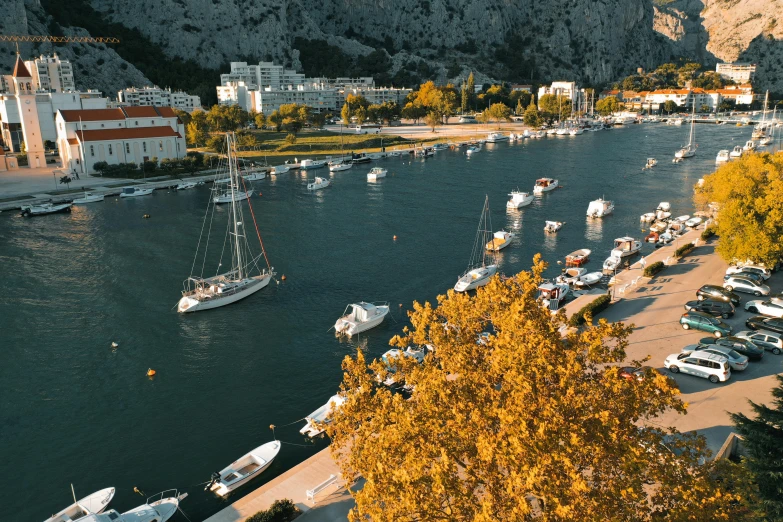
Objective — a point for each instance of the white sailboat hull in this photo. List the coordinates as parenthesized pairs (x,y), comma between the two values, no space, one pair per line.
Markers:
(91,504)
(338,168)
(136,193)
(345,326)
(255,176)
(227,198)
(475,278)
(190,303)
(88,199)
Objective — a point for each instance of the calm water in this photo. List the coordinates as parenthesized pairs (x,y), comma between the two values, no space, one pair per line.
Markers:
(73,410)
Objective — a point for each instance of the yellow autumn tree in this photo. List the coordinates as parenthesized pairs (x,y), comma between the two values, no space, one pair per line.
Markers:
(747,194)
(529,422)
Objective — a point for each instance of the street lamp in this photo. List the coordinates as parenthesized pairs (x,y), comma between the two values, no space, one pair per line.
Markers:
(54,176)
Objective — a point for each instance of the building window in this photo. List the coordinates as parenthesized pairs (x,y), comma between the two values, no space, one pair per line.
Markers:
(127,148)
(137,123)
(110,152)
(144,145)
(92,151)
(152,122)
(101,125)
(160,143)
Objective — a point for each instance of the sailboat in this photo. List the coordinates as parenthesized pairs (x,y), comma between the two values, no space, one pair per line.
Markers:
(689,150)
(482,262)
(760,132)
(245,277)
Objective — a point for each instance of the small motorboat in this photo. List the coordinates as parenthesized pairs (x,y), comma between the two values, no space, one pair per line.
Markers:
(664,206)
(254,175)
(651,162)
(495,137)
(362,317)
(677,228)
(440,146)
(552,295)
(90,505)
(320,416)
(519,200)
(590,279)
(500,240)
(475,278)
(376,173)
(244,469)
(750,146)
(578,257)
(391,357)
(681,219)
(600,208)
(545,185)
(44,209)
(133,192)
(665,238)
(571,275)
(309,164)
(723,156)
(736,153)
(424,152)
(553,226)
(280,169)
(360,158)
(611,263)
(88,197)
(694,222)
(378,155)
(159,508)
(648,217)
(659,226)
(472,150)
(186,185)
(661,215)
(228,196)
(652,237)
(625,246)
(339,166)
(318,184)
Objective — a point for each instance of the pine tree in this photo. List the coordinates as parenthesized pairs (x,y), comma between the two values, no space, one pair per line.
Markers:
(764,443)
(471,88)
(532,118)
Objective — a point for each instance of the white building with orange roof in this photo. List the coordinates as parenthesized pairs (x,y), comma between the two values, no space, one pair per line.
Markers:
(120,135)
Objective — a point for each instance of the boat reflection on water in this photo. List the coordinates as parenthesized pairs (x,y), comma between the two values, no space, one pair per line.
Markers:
(594,229)
(550,242)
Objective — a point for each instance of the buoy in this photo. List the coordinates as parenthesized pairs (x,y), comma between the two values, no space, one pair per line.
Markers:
(114,345)
(151,372)
(259,194)
(282,277)
(146,216)
(136,490)
(395,238)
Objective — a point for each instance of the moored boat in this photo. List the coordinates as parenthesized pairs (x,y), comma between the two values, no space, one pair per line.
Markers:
(500,240)
(519,200)
(600,208)
(44,209)
(280,169)
(545,185)
(659,226)
(244,469)
(483,264)
(651,162)
(553,295)
(611,263)
(321,416)
(88,197)
(553,226)
(495,137)
(578,257)
(133,192)
(231,196)
(339,166)
(723,155)
(92,504)
(186,185)
(626,246)
(254,175)
(648,217)
(318,183)
(362,317)
(736,152)
(376,173)
(311,164)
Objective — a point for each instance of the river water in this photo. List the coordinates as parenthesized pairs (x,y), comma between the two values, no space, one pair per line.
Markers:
(75,410)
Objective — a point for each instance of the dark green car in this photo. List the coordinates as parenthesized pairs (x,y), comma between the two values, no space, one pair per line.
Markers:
(704,322)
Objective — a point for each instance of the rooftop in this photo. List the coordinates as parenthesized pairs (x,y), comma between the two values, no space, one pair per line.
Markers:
(127,134)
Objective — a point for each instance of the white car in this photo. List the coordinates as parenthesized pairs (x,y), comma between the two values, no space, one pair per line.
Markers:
(743,284)
(765,339)
(769,308)
(753,269)
(737,361)
(701,364)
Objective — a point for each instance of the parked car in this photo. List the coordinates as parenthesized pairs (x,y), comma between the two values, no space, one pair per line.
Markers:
(742,346)
(705,323)
(737,361)
(700,364)
(746,275)
(717,292)
(632,373)
(770,341)
(768,308)
(713,307)
(764,272)
(743,284)
(759,322)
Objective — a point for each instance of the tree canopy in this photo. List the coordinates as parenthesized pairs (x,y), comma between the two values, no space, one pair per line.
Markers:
(746,193)
(607,106)
(532,118)
(554,107)
(528,418)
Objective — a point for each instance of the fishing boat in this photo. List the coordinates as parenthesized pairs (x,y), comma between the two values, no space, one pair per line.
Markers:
(519,200)
(310,164)
(482,264)
(553,226)
(158,508)
(590,279)
(134,192)
(750,146)
(318,183)
(244,469)
(611,263)
(723,156)
(472,150)
(44,209)
(361,317)
(571,275)
(339,166)
(185,185)
(737,152)
(233,195)
(689,150)
(648,217)
(495,137)
(652,237)
(651,162)
(553,295)
(317,419)
(600,208)
(545,185)
(578,257)
(90,505)
(376,173)
(625,246)
(659,226)
(244,277)
(500,240)
(88,197)
(280,169)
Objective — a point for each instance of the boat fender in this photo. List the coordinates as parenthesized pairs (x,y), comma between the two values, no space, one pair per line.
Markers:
(395,238)
(151,372)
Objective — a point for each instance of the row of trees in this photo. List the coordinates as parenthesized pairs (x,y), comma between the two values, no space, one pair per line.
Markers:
(358,109)
(669,75)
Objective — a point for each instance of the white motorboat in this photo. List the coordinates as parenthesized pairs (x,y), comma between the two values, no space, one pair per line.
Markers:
(424,152)
(519,200)
(483,264)
(44,209)
(318,183)
(662,215)
(545,185)
(495,137)
(659,226)
(682,219)
(665,238)
(551,132)
(553,226)
(553,295)
(90,505)
(472,150)
(391,357)
(737,152)
(185,185)
(440,146)
(254,175)
(651,162)
(677,228)
(561,132)
(310,164)
(159,508)
(648,217)
(362,317)
(689,150)
(664,206)
(625,246)
(723,156)
(694,222)
(590,279)
(231,196)
(134,192)
(576,131)
(319,417)
(88,197)
(244,277)
(340,166)
(500,240)
(600,208)
(578,257)
(750,146)
(376,173)
(380,155)
(571,275)
(280,169)
(611,263)
(244,469)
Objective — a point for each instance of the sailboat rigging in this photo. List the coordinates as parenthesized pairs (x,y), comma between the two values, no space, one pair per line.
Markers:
(245,276)
(689,150)
(483,263)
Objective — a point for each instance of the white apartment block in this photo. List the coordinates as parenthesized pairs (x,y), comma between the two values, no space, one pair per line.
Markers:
(688,98)
(50,73)
(265,74)
(157,97)
(321,100)
(567,89)
(236,93)
(379,95)
(121,135)
(363,82)
(737,72)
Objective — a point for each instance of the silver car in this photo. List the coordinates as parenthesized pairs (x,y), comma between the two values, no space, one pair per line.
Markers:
(765,339)
(743,284)
(737,361)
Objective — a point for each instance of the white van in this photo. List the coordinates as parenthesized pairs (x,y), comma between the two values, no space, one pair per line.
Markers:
(467,119)
(701,364)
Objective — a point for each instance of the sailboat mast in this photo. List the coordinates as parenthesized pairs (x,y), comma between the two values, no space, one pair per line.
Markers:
(232,169)
(693,124)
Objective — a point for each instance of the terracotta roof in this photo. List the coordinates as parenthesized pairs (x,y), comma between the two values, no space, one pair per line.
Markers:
(73,141)
(20,69)
(2,151)
(135,133)
(166,112)
(146,111)
(671,91)
(92,115)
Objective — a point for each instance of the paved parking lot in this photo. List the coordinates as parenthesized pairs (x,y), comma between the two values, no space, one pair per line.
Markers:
(655,309)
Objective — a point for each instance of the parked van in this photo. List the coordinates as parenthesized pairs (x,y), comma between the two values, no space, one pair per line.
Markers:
(700,364)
